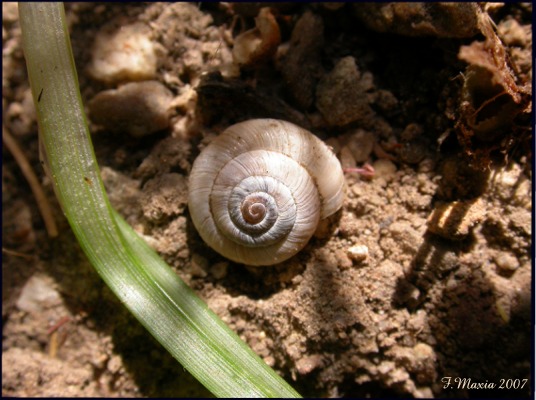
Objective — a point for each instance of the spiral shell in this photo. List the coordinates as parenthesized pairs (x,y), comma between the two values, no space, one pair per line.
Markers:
(257,191)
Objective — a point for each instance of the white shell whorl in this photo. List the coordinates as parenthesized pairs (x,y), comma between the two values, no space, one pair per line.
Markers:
(289,178)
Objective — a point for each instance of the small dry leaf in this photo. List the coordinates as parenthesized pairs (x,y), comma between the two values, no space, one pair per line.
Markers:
(259,44)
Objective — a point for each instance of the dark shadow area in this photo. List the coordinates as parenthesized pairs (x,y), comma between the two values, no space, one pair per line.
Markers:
(216,93)
(122,152)
(370,390)
(477,344)
(435,260)
(474,337)
(256,282)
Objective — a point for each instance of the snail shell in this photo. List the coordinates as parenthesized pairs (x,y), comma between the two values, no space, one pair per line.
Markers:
(257,191)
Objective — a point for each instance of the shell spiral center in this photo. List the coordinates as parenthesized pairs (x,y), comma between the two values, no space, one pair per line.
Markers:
(253,209)
(261,211)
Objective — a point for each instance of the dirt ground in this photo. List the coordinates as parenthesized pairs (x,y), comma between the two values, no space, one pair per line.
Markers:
(424,277)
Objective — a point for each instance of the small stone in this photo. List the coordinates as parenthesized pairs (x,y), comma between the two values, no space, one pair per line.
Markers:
(358,252)
(137,108)
(98,360)
(127,54)
(308,363)
(417,321)
(384,168)
(37,294)
(364,345)
(22,116)
(269,360)
(506,261)
(522,194)
(123,191)
(405,236)
(114,365)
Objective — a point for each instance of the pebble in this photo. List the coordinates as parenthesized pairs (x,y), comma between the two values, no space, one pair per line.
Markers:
(127,54)
(137,108)
(308,363)
(37,294)
(358,252)
(384,168)
(506,261)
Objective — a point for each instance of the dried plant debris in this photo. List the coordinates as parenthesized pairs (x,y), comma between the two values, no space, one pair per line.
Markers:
(257,45)
(455,220)
(494,97)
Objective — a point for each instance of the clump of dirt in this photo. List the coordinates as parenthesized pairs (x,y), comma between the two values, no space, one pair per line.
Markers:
(420,286)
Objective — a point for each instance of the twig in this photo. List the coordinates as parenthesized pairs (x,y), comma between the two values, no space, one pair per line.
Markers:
(17,254)
(59,324)
(29,174)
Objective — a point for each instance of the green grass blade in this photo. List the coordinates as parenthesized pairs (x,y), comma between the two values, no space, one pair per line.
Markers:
(169,309)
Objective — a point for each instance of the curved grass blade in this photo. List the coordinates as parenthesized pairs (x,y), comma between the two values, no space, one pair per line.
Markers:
(169,309)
